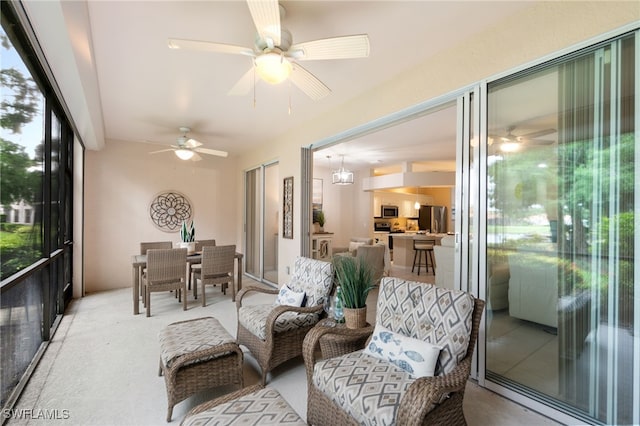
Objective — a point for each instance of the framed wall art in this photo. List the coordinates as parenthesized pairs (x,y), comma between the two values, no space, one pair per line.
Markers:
(287,208)
(169,209)
(316,199)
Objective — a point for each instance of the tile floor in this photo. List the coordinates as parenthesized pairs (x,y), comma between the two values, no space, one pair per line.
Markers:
(102,367)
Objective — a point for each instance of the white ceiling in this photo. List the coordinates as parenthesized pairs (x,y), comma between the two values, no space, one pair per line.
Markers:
(148,90)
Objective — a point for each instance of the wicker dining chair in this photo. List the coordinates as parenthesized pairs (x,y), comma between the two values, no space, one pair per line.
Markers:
(418,319)
(144,247)
(204,243)
(166,270)
(216,268)
(193,267)
(274,333)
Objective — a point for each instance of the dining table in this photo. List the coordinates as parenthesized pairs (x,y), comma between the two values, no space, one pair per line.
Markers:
(139,262)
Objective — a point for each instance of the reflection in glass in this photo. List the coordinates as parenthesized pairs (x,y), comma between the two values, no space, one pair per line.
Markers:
(21,157)
(560,238)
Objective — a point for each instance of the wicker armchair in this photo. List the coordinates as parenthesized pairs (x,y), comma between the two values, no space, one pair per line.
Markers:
(216,268)
(166,270)
(385,393)
(274,333)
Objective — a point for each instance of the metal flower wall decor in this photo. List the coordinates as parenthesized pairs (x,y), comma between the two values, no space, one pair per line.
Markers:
(169,209)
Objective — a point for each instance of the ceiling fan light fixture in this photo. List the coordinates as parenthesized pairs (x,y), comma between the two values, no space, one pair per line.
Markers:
(510,146)
(184,154)
(273,68)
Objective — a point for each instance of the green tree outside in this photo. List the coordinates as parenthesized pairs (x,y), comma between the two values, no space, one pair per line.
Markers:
(20,179)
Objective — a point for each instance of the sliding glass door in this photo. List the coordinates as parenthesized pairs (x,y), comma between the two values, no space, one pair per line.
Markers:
(562,302)
(261,222)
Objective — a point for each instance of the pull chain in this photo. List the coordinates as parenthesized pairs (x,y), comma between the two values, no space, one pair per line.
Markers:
(254,86)
(289,96)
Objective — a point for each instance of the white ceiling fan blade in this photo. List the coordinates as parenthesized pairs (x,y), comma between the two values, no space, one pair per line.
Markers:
(266,17)
(353,46)
(162,150)
(195,157)
(192,143)
(244,85)
(538,134)
(212,152)
(207,46)
(308,83)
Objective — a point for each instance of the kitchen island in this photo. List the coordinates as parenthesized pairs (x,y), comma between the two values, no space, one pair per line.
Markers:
(403,247)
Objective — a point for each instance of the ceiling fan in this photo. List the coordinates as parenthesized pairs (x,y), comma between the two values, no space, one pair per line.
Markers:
(188,149)
(275,56)
(511,142)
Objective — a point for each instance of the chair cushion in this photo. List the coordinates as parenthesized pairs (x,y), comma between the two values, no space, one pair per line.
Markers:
(254,318)
(353,246)
(415,356)
(288,297)
(369,389)
(263,407)
(436,315)
(186,337)
(313,277)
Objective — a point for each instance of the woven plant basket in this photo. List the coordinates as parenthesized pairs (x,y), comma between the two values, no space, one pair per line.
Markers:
(355,317)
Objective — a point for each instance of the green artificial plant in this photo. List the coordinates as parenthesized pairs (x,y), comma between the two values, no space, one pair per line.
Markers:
(187,235)
(318,217)
(355,278)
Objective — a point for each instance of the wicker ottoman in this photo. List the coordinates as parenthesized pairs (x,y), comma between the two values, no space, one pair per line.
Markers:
(196,355)
(253,405)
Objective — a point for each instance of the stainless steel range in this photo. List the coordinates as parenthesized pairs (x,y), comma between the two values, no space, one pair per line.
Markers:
(382,227)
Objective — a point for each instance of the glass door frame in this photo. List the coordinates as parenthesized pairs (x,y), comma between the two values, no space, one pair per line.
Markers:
(523,397)
(471,211)
(261,228)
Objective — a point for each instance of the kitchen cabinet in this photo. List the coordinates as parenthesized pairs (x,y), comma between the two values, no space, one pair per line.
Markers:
(377,204)
(321,245)
(405,202)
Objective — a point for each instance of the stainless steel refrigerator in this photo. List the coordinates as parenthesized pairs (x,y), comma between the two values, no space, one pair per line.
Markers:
(433,219)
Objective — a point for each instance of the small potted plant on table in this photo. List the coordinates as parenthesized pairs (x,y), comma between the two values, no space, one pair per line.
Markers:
(318,220)
(355,278)
(188,237)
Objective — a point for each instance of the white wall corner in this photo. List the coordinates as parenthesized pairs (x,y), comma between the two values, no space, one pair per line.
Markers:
(63,30)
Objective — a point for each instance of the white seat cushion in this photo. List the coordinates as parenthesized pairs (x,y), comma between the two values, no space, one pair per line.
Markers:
(187,337)
(263,407)
(369,389)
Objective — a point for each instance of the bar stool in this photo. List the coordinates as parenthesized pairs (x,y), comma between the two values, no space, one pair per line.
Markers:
(423,246)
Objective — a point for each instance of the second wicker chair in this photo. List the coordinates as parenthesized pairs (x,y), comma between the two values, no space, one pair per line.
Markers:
(166,270)
(216,268)
(274,334)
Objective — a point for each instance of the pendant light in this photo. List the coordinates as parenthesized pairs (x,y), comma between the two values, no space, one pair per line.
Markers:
(416,205)
(342,176)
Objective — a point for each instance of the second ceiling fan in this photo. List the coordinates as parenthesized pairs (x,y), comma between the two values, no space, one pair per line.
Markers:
(187,148)
(511,142)
(276,57)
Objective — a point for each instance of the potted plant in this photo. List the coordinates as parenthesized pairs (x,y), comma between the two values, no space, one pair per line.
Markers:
(355,278)
(188,237)
(318,218)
